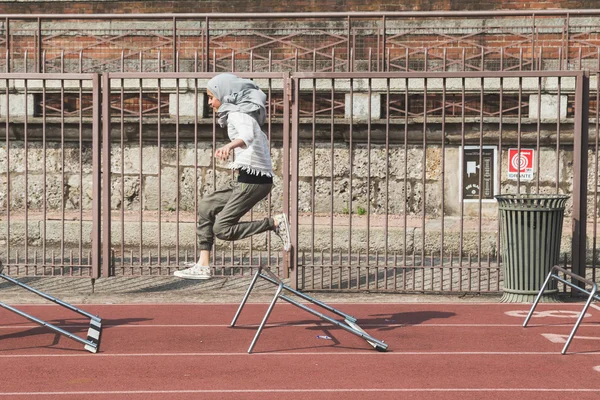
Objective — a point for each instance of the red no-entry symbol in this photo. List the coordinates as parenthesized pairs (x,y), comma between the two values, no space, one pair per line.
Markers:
(520,162)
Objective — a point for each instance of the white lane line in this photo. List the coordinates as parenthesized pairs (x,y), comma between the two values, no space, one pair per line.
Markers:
(336,390)
(397,304)
(595,306)
(302,354)
(324,324)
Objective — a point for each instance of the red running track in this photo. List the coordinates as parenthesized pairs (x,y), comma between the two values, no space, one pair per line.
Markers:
(188,351)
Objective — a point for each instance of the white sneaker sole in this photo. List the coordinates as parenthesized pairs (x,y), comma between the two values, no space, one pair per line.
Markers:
(178,274)
(287,245)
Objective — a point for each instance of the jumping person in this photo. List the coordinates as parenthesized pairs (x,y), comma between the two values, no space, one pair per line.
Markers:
(240,106)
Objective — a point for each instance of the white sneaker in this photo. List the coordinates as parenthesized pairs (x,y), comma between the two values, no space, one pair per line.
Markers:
(194,272)
(283,230)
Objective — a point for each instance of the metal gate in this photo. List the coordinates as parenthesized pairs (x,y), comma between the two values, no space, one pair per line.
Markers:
(397,195)
(49,174)
(159,146)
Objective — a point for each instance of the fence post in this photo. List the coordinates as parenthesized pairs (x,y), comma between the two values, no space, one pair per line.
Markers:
(580,174)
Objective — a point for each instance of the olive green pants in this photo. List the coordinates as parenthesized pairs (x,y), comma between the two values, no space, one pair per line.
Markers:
(219,213)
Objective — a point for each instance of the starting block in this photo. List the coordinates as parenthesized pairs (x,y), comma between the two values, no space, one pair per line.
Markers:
(592,294)
(350,323)
(91,344)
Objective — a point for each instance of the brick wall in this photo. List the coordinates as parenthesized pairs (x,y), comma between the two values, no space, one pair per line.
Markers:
(259,6)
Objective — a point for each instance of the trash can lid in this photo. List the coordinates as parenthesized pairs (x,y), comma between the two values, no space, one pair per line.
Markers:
(540,201)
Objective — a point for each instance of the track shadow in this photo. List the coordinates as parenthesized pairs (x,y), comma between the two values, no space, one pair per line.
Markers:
(75,326)
(325,337)
(397,320)
(179,284)
(381,322)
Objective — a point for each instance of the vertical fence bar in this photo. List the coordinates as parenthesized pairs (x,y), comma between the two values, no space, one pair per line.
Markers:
(405,174)
(332,174)
(348,44)
(443,184)
(177,162)
(313,162)
(141,164)
(424,177)
(26,168)
(98,259)
(62,168)
(8,47)
(481,168)
(122,172)
(350,171)
(386,225)
(44,172)
(567,39)
(175,50)
(80,112)
(106,177)
(8,180)
(462,160)
(558,106)
(384,59)
(159,171)
(499,174)
(196,111)
(368,205)
(596,178)
(206,54)
(38,50)
(291,96)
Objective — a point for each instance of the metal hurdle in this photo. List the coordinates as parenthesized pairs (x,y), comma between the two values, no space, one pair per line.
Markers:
(350,323)
(91,344)
(592,295)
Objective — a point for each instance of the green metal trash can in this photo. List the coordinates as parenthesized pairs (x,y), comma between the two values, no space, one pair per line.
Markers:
(531,229)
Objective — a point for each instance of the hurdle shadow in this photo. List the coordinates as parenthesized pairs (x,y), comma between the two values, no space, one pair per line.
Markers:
(393,321)
(74,326)
(376,322)
(380,322)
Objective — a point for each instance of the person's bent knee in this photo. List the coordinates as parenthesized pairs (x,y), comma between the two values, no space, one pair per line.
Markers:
(204,213)
(223,231)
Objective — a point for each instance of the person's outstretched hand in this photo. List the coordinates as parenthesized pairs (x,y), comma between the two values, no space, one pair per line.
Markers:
(223,153)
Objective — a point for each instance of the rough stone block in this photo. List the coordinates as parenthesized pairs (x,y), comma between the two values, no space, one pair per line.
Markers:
(16,105)
(548,106)
(187,104)
(360,106)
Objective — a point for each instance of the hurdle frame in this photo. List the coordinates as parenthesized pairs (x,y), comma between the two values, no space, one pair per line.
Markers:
(94,334)
(592,295)
(350,323)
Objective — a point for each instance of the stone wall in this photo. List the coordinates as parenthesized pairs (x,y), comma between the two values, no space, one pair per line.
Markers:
(375,183)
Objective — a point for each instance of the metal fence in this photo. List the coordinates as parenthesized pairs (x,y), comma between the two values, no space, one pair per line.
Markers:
(388,177)
(302,42)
